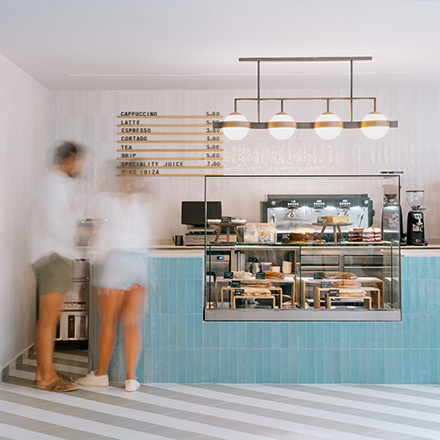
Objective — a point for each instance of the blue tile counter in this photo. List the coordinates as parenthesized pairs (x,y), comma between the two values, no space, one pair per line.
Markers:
(178,346)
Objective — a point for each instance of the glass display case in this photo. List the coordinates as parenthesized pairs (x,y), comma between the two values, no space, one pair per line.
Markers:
(286,251)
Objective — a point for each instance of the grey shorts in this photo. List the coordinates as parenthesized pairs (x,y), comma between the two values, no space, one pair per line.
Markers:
(53,274)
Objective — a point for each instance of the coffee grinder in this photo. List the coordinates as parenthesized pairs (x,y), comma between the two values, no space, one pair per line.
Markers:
(392,225)
(416,224)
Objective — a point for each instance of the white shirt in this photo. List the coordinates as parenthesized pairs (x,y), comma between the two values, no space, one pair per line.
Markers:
(53,217)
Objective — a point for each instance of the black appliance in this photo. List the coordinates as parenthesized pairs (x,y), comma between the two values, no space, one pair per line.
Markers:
(416,223)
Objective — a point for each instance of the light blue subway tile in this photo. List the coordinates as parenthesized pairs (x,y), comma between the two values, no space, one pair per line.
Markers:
(267,366)
(415,331)
(207,365)
(284,360)
(337,365)
(380,362)
(172,366)
(199,271)
(407,366)
(189,330)
(414,268)
(241,334)
(414,296)
(345,334)
(164,297)
(389,366)
(172,268)
(189,366)
(293,334)
(415,366)
(398,368)
(155,297)
(423,296)
(235,368)
(172,296)
(241,362)
(276,335)
(181,363)
(267,335)
(433,331)
(388,329)
(163,362)
(141,368)
(328,365)
(154,267)
(345,365)
(250,335)
(432,297)
(284,330)
(431,272)
(232,335)
(216,378)
(156,364)
(406,296)
(276,365)
(198,365)
(215,330)
(311,367)
(250,366)
(164,336)
(380,335)
(302,335)
(258,334)
(198,297)
(363,366)
(406,331)
(310,335)
(328,335)
(207,335)
(224,366)
(147,337)
(189,268)
(259,366)
(181,268)
(155,329)
(302,365)
(424,332)
(436,288)
(163,268)
(319,365)
(319,335)
(424,366)
(423,267)
(181,295)
(433,367)
(293,365)
(224,335)
(405,268)
(189,296)
(198,332)
(181,331)
(336,335)
(363,335)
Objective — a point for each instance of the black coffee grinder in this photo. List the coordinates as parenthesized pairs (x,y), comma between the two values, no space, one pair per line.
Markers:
(416,224)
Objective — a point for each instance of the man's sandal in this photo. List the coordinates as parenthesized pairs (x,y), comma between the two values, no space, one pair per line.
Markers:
(57,386)
(70,379)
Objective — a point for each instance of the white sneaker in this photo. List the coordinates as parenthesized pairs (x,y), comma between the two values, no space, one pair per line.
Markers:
(93,381)
(131,385)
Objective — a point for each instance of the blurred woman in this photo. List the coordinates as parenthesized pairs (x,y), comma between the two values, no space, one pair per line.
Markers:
(121,276)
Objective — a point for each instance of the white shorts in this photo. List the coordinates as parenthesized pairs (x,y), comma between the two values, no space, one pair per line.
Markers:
(122,270)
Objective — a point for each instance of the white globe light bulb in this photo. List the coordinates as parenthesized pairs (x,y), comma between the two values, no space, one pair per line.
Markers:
(328,126)
(281,126)
(235,126)
(375,125)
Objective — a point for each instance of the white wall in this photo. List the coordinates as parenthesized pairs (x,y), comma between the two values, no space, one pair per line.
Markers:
(90,117)
(24,136)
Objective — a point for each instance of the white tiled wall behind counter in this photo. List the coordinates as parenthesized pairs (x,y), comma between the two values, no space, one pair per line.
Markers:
(90,117)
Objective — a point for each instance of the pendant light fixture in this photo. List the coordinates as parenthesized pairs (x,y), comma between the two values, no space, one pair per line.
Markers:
(327,126)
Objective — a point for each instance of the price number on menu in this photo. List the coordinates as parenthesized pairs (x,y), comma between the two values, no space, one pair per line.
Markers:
(212,130)
(211,163)
(213,147)
(212,155)
(212,114)
(212,138)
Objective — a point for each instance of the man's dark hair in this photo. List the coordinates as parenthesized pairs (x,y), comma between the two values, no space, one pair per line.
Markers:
(66,150)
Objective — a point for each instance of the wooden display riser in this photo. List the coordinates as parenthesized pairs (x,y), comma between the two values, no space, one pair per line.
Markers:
(372,298)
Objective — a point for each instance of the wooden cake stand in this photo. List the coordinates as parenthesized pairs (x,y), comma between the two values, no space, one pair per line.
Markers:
(336,229)
(227,225)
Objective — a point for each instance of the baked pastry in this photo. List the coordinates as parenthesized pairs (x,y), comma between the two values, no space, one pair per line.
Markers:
(271,274)
(355,284)
(255,283)
(256,291)
(340,276)
(303,234)
(355,234)
(333,219)
(371,235)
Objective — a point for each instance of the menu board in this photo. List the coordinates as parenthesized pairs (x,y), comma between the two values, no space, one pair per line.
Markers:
(152,144)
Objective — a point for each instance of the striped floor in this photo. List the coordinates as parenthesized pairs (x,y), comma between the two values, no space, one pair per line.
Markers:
(232,412)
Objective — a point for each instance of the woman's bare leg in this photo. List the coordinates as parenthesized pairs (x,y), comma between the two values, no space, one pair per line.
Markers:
(110,305)
(133,300)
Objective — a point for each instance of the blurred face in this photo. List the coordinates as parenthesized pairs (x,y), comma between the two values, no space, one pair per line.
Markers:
(72,165)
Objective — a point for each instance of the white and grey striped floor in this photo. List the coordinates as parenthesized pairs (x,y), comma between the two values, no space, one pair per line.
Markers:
(233,412)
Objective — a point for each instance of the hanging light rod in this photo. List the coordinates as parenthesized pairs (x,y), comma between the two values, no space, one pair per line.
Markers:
(327,126)
(304,59)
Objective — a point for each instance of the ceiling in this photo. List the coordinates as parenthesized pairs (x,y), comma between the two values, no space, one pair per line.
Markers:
(195,44)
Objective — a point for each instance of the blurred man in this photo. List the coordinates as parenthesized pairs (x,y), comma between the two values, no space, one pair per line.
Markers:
(51,255)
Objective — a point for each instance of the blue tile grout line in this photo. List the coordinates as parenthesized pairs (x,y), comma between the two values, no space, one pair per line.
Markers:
(178,346)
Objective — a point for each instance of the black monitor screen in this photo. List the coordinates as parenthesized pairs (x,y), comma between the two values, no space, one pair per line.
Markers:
(193,213)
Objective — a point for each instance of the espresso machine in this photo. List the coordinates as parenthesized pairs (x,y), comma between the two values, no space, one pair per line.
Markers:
(416,224)
(392,225)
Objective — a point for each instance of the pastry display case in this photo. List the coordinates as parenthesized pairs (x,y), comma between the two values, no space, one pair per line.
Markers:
(286,267)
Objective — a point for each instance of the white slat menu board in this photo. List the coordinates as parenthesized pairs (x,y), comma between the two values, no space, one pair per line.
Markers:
(152,144)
